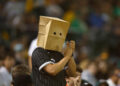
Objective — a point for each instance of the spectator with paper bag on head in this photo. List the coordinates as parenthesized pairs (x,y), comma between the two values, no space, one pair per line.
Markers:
(48,62)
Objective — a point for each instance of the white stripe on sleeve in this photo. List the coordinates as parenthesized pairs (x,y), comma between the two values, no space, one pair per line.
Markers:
(44,64)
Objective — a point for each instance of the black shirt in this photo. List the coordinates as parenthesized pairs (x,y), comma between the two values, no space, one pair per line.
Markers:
(42,57)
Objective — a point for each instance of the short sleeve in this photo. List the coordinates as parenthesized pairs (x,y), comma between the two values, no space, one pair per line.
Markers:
(40,58)
(32,47)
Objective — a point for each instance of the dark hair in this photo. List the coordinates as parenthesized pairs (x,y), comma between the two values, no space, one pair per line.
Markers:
(22,80)
(20,70)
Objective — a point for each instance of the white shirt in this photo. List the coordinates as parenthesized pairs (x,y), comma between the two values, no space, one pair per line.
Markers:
(2,83)
(6,77)
(32,47)
(110,82)
(86,75)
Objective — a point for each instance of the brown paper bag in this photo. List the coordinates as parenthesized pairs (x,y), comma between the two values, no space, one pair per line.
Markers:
(52,33)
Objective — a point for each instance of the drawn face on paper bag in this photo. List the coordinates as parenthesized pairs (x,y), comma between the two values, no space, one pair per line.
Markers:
(52,33)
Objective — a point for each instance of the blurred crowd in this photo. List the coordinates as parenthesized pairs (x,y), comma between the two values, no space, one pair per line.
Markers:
(95,27)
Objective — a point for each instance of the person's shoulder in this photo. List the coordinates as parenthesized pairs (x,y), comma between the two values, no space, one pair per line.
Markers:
(34,41)
(39,49)
(3,70)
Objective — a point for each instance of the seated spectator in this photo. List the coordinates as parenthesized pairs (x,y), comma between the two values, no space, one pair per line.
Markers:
(5,71)
(114,77)
(1,64)
(22,80)
(20,70)
(74,81)
(102,73)
(21,76)
(77,81)
(83,82)
(89,73)
(69,81)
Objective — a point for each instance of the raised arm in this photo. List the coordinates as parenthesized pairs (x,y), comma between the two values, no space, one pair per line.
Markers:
(54,69)
(71,70)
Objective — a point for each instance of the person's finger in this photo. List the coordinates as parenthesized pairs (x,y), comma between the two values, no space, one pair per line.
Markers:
(72,44)
(67,44)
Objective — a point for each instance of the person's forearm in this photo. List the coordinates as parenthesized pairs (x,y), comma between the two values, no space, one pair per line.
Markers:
(54,69)
(71,71)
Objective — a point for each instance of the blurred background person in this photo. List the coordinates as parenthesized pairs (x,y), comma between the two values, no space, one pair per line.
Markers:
(5,70)
(21,76)
(89,73)
(118,84)
(22,80)
(102,73)
(73,81)
(114,77)
(1,65)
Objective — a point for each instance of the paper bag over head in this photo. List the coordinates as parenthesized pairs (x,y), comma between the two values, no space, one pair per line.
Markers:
(52,33)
